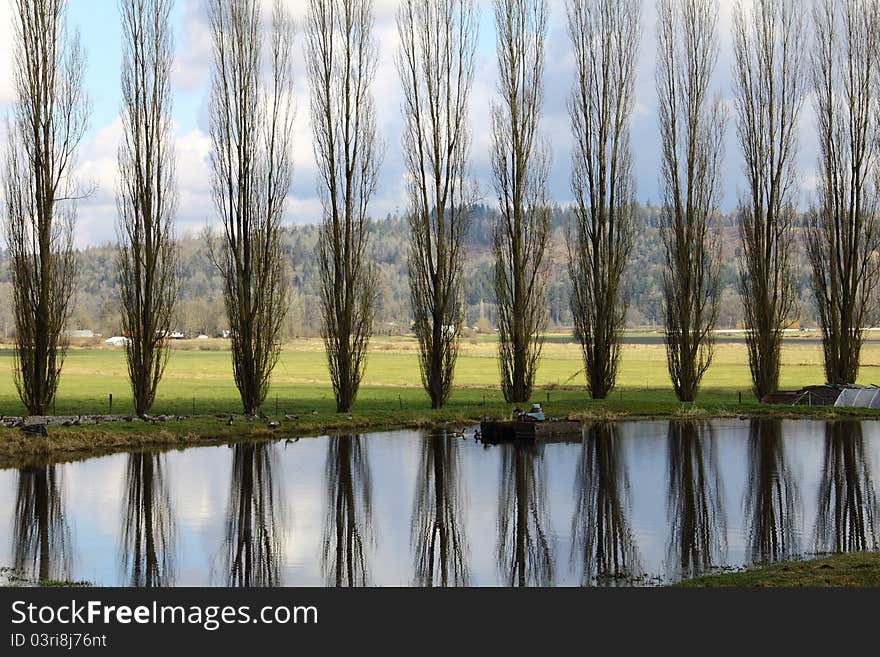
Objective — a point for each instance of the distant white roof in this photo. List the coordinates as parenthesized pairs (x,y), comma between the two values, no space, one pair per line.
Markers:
(80,333)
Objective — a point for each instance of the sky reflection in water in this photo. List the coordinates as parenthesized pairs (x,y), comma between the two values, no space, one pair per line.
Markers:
(632,503)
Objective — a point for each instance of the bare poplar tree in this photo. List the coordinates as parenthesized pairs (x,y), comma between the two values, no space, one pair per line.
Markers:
(691,131)
(520,165)
(147,195)
(341,61)
(605,40)
(48,120)
(436,64)
(251,162)
(769,84)
(842,236)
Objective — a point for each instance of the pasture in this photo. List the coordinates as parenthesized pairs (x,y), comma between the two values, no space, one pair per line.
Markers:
(199,377)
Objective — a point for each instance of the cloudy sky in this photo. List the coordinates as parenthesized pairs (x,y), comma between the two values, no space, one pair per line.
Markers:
(98,23)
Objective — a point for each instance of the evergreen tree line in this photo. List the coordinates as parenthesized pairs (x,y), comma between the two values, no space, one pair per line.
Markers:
(199,308)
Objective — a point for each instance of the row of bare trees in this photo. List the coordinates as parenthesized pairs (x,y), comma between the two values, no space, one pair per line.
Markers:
(773,74)
(772,77)
(251,125)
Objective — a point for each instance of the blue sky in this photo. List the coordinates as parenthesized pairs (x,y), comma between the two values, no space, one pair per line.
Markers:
(98,23)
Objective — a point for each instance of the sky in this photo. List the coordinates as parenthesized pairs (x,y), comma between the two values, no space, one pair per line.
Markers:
(98,23)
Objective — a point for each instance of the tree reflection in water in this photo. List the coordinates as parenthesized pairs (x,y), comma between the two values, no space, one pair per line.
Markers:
(847,501)
(524,551)
(698,528)
(254,536)
(600,529)
(438,542)
(772,496)
(41,536)
(148,536)
(348,518)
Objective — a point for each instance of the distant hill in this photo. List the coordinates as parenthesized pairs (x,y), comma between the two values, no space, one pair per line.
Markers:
(201,309)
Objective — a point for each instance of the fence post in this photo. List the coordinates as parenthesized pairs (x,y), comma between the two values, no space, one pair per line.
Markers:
(111,404)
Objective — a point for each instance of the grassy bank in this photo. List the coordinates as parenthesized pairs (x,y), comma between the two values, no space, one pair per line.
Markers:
(198,382)
(199,376)
(840,570)
(379,408)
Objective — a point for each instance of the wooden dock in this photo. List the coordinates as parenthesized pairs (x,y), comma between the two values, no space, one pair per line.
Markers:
(497,431)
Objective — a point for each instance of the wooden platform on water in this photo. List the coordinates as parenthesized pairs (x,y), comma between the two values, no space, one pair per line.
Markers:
(496,431)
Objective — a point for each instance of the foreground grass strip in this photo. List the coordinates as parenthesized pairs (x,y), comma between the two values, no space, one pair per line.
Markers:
(381,409)
(861,569)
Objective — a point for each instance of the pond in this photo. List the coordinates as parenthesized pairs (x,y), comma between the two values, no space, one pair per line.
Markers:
(642,503)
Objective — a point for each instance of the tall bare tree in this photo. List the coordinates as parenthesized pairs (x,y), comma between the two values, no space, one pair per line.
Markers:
(252,168)
(520,165)
(147,195)
(48,120)
(769,83)
(605,40)
(341,60)
(691,131)
(436,64)
(842,236)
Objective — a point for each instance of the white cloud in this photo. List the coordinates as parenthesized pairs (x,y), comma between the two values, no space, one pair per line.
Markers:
(195,209)
(193,49)
(97,169)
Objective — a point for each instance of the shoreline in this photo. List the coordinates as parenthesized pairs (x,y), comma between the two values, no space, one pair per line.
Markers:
(18,449)
(843,570)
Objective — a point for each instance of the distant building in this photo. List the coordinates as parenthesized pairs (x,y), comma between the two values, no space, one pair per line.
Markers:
(79,333)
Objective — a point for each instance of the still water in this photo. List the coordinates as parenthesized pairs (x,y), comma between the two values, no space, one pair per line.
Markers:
(631,503)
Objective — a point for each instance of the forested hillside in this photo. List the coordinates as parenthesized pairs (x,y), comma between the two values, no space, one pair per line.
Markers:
(201,309)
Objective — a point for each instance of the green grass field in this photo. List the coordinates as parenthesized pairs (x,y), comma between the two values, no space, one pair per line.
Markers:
(200,375)
(840,570)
